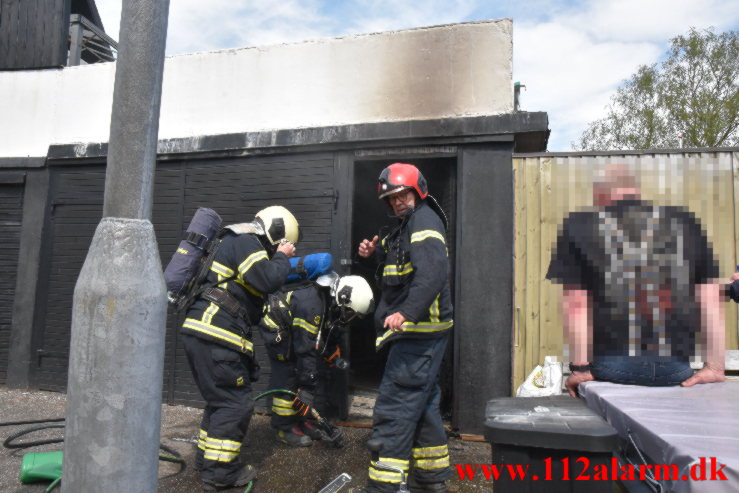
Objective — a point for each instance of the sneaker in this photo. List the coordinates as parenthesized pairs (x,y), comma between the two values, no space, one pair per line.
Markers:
(294,437)
(310,429)
(245,475)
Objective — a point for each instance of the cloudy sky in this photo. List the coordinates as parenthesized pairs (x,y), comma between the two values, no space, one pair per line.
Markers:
(571,55)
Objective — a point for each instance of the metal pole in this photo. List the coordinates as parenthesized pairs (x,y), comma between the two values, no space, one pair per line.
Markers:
(119,311)
(75,44)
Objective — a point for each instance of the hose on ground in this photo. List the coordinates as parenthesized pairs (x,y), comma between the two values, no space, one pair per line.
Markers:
(170,456)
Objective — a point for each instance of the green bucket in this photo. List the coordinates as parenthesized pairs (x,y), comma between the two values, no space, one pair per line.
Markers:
(41,466)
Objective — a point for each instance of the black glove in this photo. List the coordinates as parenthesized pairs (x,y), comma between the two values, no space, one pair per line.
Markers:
(303,402)
(732,290)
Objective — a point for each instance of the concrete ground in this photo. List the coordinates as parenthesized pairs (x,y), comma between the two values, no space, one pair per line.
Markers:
(281,469)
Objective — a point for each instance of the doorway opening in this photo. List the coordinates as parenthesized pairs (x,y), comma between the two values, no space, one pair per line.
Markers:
(371,217)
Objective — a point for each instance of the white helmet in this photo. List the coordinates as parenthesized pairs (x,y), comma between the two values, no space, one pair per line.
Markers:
(355,293)
(279,224)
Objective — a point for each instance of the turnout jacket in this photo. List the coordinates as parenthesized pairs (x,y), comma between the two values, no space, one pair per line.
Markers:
(243,268)
(290,332)
(414,277)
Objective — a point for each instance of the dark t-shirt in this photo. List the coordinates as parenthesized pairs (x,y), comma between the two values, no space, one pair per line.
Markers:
(640,264)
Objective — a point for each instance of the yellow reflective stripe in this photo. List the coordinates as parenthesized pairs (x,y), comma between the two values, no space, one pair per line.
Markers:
(434,310)
(228,445)
(289,296)
(250,261)
(269,322)
(242,344)
(202,438)
(384,476)
(282,402)
(439,463)
(419,328)
(249,288)
(220,456)
(426,234)
(309,327)
(392,270)
(281,411)
(209,312)
(420,452)
(221,269)
(427,326)
(403,464)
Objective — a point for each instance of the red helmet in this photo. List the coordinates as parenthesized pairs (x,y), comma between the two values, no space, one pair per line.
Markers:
(401,176)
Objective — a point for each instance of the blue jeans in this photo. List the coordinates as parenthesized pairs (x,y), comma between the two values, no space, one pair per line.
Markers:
(635,370)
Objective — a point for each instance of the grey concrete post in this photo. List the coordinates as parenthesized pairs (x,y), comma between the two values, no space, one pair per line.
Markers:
(119,312)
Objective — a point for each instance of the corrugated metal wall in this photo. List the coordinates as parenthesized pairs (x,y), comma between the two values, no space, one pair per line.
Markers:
(548,187)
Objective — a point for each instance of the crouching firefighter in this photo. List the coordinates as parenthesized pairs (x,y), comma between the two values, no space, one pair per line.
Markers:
(301,326)
(413,320)
(247,261)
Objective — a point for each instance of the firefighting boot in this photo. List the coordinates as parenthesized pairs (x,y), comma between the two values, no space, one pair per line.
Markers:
(416,487)
(294,437)
(244,475)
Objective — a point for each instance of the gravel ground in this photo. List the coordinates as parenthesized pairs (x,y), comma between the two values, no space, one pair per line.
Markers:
(281,469)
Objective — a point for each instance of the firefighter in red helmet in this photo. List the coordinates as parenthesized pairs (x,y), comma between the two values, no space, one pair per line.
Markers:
(413,321)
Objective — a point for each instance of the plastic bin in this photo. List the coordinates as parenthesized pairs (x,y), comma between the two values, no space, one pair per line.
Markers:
(566,446)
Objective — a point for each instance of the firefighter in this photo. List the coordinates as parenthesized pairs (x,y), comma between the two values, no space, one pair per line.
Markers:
(302,323)
(251,261)
(414,320)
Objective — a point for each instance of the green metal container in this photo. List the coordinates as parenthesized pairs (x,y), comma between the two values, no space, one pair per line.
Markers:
(41,466)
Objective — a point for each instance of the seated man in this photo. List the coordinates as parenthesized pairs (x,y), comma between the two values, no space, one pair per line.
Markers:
(638,289)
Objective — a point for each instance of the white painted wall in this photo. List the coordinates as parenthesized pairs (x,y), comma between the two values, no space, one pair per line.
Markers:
(443,71)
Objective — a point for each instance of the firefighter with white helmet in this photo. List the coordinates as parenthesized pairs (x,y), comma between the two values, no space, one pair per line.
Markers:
(302,325)
(250,260)
(413,320)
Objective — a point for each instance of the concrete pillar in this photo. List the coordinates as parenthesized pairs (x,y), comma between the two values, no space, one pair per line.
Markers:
(119,311)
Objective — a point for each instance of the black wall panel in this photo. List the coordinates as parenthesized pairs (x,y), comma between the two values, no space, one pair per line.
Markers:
(167,220)
(33,33)
(76,209)
(11,207)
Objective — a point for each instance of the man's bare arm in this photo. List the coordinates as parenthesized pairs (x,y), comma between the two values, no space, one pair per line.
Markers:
(578,325)
(713,326)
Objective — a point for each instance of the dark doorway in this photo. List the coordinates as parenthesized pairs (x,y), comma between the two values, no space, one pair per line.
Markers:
(370,217)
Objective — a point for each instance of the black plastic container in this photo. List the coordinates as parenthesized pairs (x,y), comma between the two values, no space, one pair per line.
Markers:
(566,446)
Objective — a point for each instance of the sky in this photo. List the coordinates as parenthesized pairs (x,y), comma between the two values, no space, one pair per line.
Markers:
(570,55)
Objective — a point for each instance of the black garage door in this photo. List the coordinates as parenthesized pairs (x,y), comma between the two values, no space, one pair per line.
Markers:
(236,188)
(11,206)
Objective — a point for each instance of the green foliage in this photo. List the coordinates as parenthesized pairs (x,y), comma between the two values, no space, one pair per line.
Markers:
(693,93)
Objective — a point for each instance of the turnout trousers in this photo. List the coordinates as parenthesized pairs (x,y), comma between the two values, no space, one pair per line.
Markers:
(284,417)
(407,418)
(223,380)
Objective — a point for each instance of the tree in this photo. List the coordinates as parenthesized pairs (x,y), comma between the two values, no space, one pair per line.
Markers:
(693,94)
